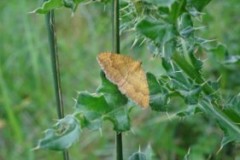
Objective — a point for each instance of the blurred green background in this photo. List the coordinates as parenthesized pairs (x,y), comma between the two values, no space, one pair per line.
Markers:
(27,101)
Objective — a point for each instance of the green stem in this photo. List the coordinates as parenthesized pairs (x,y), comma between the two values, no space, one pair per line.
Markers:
(55,63)
(219,115)
(55,68)
(116,49)
(214,108)
(119,155)
(181,61)
(115,27)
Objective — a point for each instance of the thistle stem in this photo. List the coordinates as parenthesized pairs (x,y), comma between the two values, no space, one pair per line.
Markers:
(116,49)
(55,68)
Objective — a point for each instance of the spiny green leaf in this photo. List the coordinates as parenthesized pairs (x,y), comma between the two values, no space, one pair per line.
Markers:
(167,65)
(92,102)
(198,4)
(191,95)
(73,4)
(111,93)
(193,74)
(197,63)
(176,10)
(179,81)
(214,85)
(227,139)
(55,4)
(91,120)
(232,108)
(91,107)
(191,110)
(146,155)
(168,48)
(161,33)
(228,125)
(62,135)
(70,4)
(185,25)
(107,103)
(119,115)
(155,30)
(233,114)
(189,91)
(158,94)
(137,156)
(181,84)
(143,7)
(48,6)
(233,59)
(120,118)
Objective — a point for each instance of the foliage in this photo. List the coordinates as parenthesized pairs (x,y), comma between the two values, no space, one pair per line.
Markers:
(172,30)
(63,135)
(169,28)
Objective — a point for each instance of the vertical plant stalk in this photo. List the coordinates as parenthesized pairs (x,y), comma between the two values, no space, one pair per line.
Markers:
(55,68)
(116,49)
(119,154)
(115,27)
